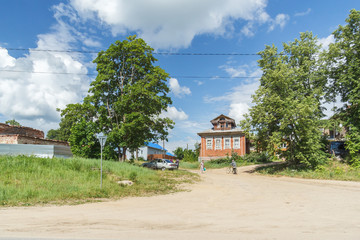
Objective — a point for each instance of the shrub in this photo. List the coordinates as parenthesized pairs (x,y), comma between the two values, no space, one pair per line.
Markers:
(133,176)
(255,157)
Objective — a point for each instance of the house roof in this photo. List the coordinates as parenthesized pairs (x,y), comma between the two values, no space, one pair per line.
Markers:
(154,145)
(227,119)
(211,131)
(157,146)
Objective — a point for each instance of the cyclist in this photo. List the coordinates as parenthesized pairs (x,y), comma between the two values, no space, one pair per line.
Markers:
(233,164)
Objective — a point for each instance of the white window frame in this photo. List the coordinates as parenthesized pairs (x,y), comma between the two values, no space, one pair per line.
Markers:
(234,145)
(218,144)
(227,146)
(210,146)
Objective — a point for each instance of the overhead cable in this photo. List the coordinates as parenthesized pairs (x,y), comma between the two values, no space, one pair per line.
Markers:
(92,74)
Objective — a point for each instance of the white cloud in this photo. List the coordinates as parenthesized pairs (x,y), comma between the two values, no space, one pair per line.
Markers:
(178,90)
(174,114)
(238,110)
(29,93)
(199,83)
(325,42)
(5,59)
(239,98)
(300,14)
(174,24)
(280,20)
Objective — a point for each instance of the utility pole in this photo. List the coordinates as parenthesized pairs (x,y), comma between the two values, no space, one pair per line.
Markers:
(164,153)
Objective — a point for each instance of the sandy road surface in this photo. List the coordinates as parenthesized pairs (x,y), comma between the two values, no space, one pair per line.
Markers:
(221,206)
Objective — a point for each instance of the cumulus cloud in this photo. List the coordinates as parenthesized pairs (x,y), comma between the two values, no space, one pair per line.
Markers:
(5,59)
(29,89)
(280,20)
(239,97)
(325,42)
(174,114)
(174,24)
(178,90)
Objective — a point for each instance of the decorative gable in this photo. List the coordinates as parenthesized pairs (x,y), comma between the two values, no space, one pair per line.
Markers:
(223,122)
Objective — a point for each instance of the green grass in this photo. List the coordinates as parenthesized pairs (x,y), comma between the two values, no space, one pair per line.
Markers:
(28,181)
(214,164)
(334,170)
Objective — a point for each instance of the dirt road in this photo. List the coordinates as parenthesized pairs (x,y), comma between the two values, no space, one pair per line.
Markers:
(222,206)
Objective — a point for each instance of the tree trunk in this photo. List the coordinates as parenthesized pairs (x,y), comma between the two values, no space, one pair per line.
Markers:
(119,154)
(124,154)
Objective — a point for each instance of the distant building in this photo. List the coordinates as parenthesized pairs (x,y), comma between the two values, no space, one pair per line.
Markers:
(222,139)
(151,151)
(19,140)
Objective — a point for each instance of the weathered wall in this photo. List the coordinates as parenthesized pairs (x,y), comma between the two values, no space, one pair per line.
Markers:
(8,139)
(24,131)
(19,139)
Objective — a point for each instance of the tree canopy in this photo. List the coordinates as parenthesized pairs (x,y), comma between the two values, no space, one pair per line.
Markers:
(124,101)
(287,103)
(343,61)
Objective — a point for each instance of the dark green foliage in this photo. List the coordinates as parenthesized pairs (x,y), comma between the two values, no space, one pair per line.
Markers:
(255,157)
(12,122)
(190,155)
(54,134)
(125,102)
(288,102)
(343,61)
(179,153)
(133,176)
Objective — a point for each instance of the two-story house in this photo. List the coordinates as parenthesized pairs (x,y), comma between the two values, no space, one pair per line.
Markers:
(222,139)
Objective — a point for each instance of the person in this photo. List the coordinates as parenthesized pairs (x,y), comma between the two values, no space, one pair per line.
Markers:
(202,167)
(177,163)
(233,164)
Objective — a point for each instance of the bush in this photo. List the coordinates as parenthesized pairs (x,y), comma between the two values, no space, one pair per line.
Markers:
(256,157)
(133,176)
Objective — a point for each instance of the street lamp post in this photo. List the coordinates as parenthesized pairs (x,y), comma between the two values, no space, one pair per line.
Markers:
(102,139)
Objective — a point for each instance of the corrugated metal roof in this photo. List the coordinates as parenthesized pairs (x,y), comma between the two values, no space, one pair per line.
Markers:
(154,145)
(49,151)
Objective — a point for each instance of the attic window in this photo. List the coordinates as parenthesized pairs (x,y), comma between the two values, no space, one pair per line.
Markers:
(221,119)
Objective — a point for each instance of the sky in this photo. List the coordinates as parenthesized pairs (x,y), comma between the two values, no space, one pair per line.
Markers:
(209,75)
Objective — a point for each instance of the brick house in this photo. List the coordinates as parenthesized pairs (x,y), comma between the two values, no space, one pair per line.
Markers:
(222,139)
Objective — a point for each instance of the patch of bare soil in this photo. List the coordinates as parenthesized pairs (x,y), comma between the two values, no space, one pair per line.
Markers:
(221,206)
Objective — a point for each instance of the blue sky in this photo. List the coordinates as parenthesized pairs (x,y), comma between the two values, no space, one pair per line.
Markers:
(202,87)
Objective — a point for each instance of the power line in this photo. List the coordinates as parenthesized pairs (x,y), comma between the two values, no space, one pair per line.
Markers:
(92,74)
(156,53)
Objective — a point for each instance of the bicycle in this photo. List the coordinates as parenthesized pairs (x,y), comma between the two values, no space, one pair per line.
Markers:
(230,169)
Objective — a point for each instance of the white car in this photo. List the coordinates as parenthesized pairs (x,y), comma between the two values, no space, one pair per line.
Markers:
(165,164)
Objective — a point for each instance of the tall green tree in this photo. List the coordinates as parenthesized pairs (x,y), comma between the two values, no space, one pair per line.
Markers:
(343,61)
(125,100)
(288,102)
(179,153)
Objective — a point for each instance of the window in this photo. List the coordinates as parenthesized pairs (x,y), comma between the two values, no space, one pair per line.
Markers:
(209,143)
(217,143)
(227,144)
(236,143)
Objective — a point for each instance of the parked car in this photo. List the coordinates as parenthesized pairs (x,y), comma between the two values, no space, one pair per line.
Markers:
(165,164)
(151,164)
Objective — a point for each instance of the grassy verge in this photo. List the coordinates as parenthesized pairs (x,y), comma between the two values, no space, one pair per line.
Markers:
(334,170)
(28,181)
(249,159)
